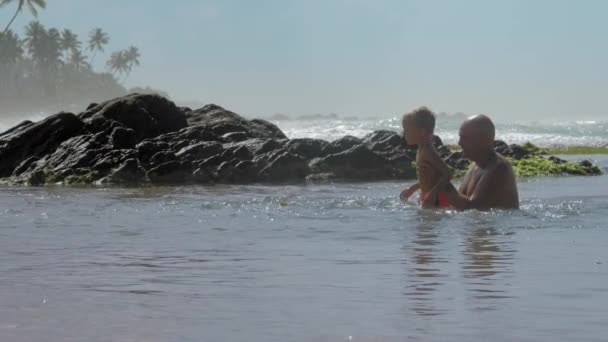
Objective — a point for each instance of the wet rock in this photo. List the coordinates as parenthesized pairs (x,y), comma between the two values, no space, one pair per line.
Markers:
(340,145)
(502,148)
(21,126)
(306,148)
(162,157)
(557,160)
(358,163)
(122,138)
(221,121)
(518,152)
(129,172)
(268,146)
(147,148)
(36,140)
(235,136)
(173,172)
(321,177)
(285,167)
(200,151)
(147,115)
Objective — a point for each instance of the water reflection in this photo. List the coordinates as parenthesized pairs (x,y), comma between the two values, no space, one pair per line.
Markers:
(425,265)
(476,260)
(487,265)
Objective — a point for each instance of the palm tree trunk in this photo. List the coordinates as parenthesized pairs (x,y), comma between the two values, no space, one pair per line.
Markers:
(13,19)
(93,57)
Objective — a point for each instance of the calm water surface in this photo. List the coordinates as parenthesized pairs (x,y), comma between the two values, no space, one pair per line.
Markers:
(301,263)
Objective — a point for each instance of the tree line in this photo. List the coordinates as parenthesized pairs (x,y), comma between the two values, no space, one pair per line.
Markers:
(49,66)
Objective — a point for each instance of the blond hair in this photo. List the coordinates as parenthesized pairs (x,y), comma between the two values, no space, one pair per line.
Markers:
(422,118)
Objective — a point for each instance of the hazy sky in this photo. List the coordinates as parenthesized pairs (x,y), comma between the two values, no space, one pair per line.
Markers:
(526,59)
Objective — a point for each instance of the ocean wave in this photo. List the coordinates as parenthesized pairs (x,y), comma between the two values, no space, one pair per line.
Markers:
(542,133)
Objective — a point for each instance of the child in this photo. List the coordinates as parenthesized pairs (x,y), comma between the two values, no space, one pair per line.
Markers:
(433,175)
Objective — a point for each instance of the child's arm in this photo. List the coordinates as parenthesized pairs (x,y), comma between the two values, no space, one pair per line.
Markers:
(433,160)
(405,194)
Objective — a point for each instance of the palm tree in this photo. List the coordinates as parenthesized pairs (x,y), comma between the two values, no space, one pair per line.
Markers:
(78,60)
(51,49)
(31,4)
(118,62)
(11,50)
(69,42)
(132,56)
(97,39)
(34,35)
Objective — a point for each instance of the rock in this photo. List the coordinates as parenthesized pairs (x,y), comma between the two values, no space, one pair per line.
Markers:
(111,159)
(321,177)
(586,163)
(235,136)
(194,134)
(518,152)
(129,172)
(20,127)
(147,148)
(241,153)
(211,162)
(285,167)
(502,148)
(437,142)
(340,145)
(173,172)
(80,152)
(358,163)
(36,140)
(306,148)
(456,161)
(200,151)
(123,138)
(388,144)
(118,140)
(147,115)
(162,157)
(221,121)
(557,160)
(268,146)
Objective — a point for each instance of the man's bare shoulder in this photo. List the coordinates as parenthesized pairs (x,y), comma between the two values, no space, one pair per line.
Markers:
(503,166)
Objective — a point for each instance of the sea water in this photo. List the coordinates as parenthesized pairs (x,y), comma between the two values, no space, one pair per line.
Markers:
(331,262)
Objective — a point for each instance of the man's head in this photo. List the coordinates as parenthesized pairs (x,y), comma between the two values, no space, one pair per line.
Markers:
(476,137)
(418,125)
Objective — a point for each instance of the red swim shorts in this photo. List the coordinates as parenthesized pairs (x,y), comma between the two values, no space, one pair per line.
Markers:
(442,199)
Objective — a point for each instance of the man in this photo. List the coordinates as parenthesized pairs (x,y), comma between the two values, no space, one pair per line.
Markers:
(490,181)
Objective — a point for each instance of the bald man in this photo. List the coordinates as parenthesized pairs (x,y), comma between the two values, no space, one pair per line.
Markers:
(490,182)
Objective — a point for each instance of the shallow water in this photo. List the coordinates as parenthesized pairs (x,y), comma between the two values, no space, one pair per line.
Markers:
(301,263)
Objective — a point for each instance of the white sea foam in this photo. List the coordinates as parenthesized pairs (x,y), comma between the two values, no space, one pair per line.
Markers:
(545,134)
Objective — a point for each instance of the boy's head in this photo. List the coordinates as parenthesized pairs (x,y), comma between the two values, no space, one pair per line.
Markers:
(418,125)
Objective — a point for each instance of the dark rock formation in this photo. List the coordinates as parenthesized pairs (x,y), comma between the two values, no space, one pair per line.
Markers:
(142,139)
